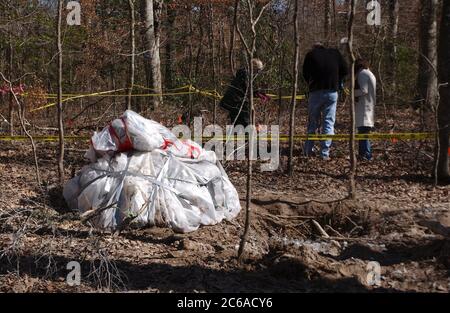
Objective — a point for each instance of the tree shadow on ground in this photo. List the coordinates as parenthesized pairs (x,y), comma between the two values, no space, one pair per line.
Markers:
(285,276)
(397,253)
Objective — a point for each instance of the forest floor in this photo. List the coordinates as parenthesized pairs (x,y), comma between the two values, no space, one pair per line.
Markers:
(393,222)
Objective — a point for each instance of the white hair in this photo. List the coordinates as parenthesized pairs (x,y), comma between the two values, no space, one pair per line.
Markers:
(257,64)
(318,44)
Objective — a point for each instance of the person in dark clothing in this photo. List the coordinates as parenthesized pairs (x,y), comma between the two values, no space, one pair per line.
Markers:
(235,99)
(324,69)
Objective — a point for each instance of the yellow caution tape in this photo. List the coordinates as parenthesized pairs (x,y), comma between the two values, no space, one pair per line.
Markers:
(340,137)
(78,97)
(298,97)
(184,90)
(45,138)
(102,94)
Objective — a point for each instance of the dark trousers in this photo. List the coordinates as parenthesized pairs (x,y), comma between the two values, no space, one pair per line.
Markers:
(365,149)
(242,119)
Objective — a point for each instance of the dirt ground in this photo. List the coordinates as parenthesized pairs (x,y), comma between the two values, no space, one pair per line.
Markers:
(393,223)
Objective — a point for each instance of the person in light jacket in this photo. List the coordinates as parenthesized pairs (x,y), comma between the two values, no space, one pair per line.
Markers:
(365,93)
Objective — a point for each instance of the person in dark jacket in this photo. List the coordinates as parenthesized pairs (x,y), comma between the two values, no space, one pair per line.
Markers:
(235,99)
(324,69)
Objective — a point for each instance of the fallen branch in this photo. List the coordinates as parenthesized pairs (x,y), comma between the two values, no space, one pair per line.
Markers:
(278,200)
(320,229)
(334,231)
(286,216)
(88,215)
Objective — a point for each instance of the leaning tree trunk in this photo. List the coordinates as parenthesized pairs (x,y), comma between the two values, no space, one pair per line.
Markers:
(427,79)
(444,105)
(151,15)
(352,174)
(294,89)
(59,100)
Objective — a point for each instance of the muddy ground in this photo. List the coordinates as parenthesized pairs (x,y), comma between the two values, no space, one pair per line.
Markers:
(393,223)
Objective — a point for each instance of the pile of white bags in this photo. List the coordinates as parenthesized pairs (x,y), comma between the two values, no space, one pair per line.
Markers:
(141,172)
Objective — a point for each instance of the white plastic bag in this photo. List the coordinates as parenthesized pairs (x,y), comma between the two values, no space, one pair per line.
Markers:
(179,185)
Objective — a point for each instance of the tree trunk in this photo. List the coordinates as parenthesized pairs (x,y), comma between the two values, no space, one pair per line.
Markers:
(335,23)
(294,89)
(11,102)
(280,87)
(113,82)
(59,101)
(444,105)
(233,37)
(133,53)
(427,79)
(169,68)
(352,174)
(191,66)
(198,59)
(327,22)
(250,49)
(248,199)
(213,57)
(152,32)
(394,8)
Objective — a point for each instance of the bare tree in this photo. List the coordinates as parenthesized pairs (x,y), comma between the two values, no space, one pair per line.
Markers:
(133,52)
(427,79)
(294,88)
(191,64)
(394,9)
(213,56)
(352,173)
(233,36)
(335,28)
(327,21)
(152,12)
(170,45)
(250,48)
(10,56)
(59,101)
(444,105)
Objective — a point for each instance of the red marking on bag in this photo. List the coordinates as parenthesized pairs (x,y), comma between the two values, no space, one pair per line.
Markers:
(191,150)
(167,143)
(126,145)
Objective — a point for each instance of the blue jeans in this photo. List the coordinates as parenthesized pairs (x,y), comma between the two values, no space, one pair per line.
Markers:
(321,102)
(365,150)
